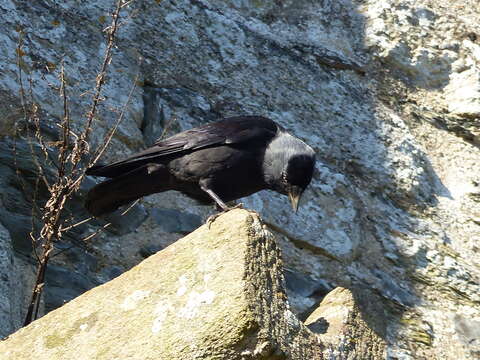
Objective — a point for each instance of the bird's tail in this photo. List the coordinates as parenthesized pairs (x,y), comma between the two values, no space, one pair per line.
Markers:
(113,193)
(117,169)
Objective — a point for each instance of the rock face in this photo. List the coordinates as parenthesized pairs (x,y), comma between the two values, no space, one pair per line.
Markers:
(215,294)
(351,324)
(386,92)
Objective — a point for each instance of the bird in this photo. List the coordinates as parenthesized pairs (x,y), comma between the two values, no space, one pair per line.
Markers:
(214,164)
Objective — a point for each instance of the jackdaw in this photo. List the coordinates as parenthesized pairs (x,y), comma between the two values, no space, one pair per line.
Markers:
(213,163)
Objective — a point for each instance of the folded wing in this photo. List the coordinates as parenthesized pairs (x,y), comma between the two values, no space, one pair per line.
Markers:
(231,131)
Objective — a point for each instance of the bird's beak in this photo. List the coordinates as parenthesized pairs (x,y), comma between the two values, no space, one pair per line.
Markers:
(294,199)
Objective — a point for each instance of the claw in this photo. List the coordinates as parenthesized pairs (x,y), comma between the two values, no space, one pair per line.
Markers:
(213,217)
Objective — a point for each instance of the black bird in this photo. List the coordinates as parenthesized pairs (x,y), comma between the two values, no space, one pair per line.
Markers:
(217,162)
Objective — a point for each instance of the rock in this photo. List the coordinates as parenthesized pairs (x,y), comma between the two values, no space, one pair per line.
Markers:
(149,250)
(175,221)
(63,285)
(204,296)
(111,273)
(17,275)
(340,320)
(10,113)
(304,292)
(164,105)
(19,227)
(122,224)
(154,120)
(217,293)
(468,331)
(83,260)
(6,284)
(463,93)
(121,221)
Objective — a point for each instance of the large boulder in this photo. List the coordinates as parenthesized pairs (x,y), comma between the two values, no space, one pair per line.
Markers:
(218,293)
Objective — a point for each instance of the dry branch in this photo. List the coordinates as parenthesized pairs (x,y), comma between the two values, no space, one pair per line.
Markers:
(72,151)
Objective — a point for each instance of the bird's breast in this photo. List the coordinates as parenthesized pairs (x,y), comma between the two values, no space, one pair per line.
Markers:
(232,172)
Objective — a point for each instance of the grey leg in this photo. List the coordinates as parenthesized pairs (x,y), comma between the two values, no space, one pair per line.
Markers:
(214,196)
(204,186)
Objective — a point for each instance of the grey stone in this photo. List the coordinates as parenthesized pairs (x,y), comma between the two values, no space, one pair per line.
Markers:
(19,227)
(24,157)
(16,279)
(7,282)
(463,93)
(304,292)
(175,221)
(112,272)
(124,224)
(178,305)
(149,250)
(121,223)
(163,105)
(340,318)
(154,116)
(83,261)
(63,285)
(468,331)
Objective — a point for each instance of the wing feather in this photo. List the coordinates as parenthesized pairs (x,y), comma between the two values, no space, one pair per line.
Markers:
(235,130)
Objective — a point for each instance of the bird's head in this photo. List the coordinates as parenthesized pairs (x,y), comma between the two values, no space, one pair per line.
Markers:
(296,176)
(288,166)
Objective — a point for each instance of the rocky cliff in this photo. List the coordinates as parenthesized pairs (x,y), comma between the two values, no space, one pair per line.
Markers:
(388,94)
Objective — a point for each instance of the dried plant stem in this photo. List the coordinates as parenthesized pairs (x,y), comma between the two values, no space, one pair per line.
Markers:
(65,125)
(81,145)
(72,150)
(109,136)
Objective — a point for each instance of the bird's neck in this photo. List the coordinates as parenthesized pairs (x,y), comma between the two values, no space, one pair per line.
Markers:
(276,160)
(278,153)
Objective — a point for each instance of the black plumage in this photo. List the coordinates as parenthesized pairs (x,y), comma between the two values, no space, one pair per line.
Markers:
(217,162)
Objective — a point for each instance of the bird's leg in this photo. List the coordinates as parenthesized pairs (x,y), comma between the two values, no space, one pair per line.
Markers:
(204,186)
(215,197)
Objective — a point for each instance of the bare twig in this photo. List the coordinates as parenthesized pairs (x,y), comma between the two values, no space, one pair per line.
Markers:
(96,232)
(167,127)
(109,136)
(104,227)
(71,150)
(100,80)
(70,227)
(65,125)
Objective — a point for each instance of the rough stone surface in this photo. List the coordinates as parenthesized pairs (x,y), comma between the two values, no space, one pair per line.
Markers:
(205,297)
(394,206)
(175,221)
(357,332)
(6,284)
(16,281)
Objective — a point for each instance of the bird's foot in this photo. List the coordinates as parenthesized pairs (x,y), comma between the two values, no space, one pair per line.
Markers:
(213,217)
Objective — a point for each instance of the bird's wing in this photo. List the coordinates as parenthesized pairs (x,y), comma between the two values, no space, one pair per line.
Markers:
(235,130)
(229,131)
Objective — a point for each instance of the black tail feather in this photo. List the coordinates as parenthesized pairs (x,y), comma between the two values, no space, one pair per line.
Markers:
(113,193)
(119,168)
(94,169)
